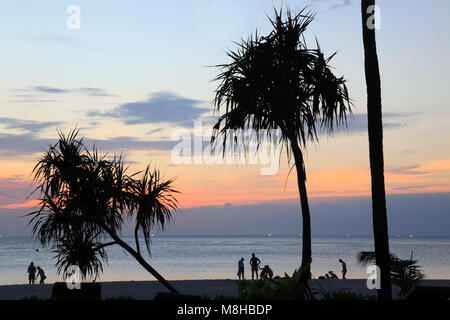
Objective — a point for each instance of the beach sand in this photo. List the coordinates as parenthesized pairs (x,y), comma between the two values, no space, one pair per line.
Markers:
(146,290)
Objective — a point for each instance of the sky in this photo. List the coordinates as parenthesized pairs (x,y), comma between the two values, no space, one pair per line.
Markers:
(137,73)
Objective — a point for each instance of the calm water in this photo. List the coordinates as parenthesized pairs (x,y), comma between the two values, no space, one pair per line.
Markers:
(215,257)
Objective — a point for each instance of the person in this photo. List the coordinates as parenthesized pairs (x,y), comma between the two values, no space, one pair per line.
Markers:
(240,272)
(344,268)
(333,275)
(41,275)
(254,263)
(266,272)
(31,273)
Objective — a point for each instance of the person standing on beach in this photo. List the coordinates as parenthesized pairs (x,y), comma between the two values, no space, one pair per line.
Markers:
(344,268)
(31,273)
(241,269)
(41,275)
(254,263)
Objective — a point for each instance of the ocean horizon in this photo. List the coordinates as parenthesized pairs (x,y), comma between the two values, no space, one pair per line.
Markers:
(189,257)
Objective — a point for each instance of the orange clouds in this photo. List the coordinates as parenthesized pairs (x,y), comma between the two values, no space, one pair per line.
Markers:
(217,185)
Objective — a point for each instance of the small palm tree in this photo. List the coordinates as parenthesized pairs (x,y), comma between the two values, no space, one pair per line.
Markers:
(404,273)
(86,198)
(277,82)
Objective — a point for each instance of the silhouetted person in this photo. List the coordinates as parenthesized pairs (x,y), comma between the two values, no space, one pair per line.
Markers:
(31,273)
(344,268)
(41,275)
(240,272)
(266,272)
(333,275)
(254,263)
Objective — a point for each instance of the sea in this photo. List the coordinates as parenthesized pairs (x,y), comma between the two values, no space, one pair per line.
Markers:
(185,257)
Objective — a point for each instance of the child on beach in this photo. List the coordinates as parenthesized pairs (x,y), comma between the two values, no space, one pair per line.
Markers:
(241,269)
(41,274)
(344,268)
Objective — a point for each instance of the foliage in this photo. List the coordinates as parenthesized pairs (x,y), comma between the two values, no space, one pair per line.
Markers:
(404,273)
(287,288)
(81,249)
(86,197)
(346,295)
(277,82)
(119,298)
(218,297)
(32,298)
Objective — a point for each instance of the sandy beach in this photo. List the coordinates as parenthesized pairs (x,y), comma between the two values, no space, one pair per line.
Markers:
(146,290)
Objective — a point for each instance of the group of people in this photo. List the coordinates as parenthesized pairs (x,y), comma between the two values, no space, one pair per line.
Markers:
(332,275)
(266,272)
(32,274)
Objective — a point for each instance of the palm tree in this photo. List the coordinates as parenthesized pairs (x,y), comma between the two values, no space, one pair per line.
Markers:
(404,273)
(86,198)
(276,82)
(375,128)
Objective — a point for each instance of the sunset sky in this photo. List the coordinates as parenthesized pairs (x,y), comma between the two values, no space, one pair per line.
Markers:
(136,71)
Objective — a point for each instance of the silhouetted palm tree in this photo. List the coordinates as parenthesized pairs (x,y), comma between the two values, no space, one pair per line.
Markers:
(277,82)
(404,273)
(86,198)
(375,129)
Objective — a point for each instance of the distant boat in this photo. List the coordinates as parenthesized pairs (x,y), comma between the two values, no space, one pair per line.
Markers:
(269,234)
(398,236)
(410,235)
(152,234)
(347,235)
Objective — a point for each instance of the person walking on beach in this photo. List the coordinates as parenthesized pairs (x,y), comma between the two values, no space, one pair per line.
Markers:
(41,275)
(344,268)
(31,273)
(254,263)
(241,269)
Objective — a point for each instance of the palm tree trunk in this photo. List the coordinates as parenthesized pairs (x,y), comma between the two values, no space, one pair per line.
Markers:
(375,129)
(141,260)
(306,218)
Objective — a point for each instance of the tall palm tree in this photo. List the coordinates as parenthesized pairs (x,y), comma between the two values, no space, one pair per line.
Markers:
(277,82)
(86,198)
(375,128)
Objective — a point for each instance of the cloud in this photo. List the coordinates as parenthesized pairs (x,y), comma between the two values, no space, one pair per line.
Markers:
(14,191)
(341,4)
(48,89)
(94,92)
(35,93)
(28,125)
(161,107)
(27,144)
(357,122)
(154,131)
(332,5)
(419,214)
(69,41)
(407,170)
